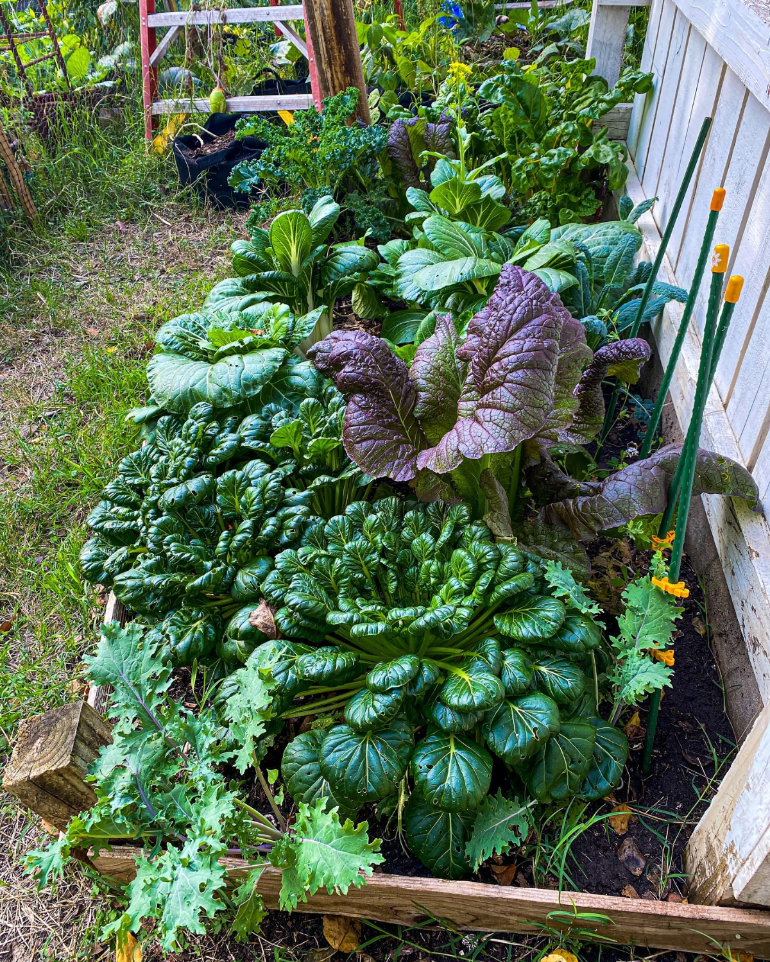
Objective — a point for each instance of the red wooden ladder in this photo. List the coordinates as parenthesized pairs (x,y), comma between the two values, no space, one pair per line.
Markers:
(175,22)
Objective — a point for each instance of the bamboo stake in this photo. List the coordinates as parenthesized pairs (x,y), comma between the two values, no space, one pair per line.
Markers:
(16,176)
(716,206)
(683,188)
(688,458)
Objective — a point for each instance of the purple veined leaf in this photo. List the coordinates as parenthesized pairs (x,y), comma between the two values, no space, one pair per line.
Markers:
(621,358)
(381,432)
(438,377)
(400,152)
(574,356)
(498,516)
(545,479)
(553,543)
(513,349)
(642,489)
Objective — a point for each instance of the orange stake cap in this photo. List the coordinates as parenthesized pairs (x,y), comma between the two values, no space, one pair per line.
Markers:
(720,258)
(718,198)
(733,289)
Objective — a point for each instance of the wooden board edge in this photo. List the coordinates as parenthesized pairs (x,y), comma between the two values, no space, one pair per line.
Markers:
(741,535)
(479,907)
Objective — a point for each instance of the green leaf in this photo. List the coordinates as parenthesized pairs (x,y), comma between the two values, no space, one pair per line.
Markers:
(447,273)
(531,618)
(250,909)
(322,218)
(393,674)
(437,838)
(564,586)
(400,327)
(452,771)
(559,767)
(322,852)
(576,636)
(609,759)
(519,726)
(499,824)
(455,195)
(450,720)
(328,666)
(291,237)
(368,710)
(247,710)
(301,769)
(469,688)
(556,280)
(560,679)
(517,672)
(367,765)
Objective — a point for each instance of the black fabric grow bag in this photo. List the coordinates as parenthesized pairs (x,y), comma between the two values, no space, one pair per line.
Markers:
(208,173)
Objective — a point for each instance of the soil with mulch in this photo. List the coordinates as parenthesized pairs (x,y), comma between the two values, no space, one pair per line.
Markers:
(215,145)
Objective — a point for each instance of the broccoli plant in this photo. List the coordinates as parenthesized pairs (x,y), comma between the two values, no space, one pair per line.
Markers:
(443,650)
(160,782)
(292,264)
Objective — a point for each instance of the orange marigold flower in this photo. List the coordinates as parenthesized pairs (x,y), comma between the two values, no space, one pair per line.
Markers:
(678,590)
(667,657)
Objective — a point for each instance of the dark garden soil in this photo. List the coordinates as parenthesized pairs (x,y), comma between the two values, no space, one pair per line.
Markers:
(642,859)
(212,146)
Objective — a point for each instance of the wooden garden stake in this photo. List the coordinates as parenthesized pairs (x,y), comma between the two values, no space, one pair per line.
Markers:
(708,238)
(683,188)
(53,754)
(16,176)
(331,28)
(687,460)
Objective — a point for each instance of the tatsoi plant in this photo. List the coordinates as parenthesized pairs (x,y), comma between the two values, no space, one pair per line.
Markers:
(443,650)
(160,782)
(291,263)
(479,414)
(186,532)
(324,152)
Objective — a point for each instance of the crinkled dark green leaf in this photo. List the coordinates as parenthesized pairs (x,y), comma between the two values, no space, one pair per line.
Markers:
(452,771)
(366,766)
(519,726)
(438,838)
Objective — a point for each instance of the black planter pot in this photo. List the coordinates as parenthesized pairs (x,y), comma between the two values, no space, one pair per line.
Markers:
(209,173)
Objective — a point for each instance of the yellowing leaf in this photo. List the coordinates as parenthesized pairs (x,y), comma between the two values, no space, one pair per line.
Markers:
(560,955)
(128,949)
(342,933)
(620,818)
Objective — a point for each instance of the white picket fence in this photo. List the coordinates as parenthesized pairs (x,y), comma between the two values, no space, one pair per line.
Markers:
(712,58)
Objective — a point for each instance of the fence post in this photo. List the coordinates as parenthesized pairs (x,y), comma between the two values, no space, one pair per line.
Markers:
(149,73)
(331,30)
(728,855)
(607,38)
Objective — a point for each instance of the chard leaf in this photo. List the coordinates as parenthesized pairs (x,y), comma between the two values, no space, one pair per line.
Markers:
(499,824)
(438,838)
(323,852)
(381,431)
(512,346)
(452,771)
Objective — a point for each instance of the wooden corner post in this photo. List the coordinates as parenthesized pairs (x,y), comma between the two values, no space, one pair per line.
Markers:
(331,29)
(728,855)
(607,36)
(52,757)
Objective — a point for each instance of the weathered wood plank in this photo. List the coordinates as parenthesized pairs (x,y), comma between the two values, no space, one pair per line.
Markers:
(658,69)
(741,536)
(740,37)
(239,15)
(669,87)
(163,46)
(616,121)
(642,101)
(607,39)
(51,758)
(728,855)
(331,30)
(235,105)
(491,908)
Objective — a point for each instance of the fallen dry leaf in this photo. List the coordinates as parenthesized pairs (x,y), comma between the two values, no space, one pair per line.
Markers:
(560,955)
(631,857)
(630,892)
(128,949)
(620,818)
(262,618)
(673,897)
(699,626)
(47,827)
(744,957)
(319,955)
(6,626)
(342,933)
(94,332)
(503,874)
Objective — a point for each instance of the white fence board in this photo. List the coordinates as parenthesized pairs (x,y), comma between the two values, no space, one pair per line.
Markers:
(658,68)
(643,101)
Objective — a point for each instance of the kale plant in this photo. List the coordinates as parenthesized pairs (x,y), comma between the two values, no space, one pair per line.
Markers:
(161,782)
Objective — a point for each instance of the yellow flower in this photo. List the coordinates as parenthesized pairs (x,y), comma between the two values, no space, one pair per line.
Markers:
(667,657)
(459,71)
(678,590)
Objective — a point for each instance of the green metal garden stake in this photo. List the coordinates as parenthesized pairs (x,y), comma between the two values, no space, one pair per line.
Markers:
(716,206)
(688,174)
(689,455)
